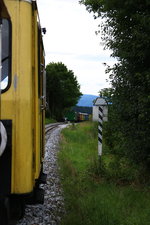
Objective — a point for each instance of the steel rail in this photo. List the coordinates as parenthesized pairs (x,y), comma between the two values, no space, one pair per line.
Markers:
(51,126)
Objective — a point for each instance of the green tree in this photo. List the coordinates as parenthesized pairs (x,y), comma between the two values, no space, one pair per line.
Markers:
(63,90)
(106,93)
(126,31)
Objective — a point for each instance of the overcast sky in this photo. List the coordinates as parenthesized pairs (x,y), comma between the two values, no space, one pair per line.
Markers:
(71,39)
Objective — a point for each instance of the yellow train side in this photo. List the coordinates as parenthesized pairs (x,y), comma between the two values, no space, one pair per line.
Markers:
(22,101)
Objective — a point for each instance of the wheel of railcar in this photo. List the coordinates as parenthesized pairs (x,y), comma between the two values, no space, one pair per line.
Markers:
(17,208)
(4,211)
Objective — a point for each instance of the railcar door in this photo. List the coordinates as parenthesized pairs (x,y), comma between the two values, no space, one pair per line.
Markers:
(42,91)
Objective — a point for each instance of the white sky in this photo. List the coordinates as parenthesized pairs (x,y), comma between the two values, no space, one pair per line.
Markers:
(71,39)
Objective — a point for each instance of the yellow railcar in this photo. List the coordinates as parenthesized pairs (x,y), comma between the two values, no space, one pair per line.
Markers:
(22,106)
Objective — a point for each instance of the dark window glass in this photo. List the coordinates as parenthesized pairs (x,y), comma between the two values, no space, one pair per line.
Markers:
(5,60)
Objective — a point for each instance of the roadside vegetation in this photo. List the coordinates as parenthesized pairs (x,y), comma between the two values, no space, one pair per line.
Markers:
(107,191)
(49,120)
(125,29)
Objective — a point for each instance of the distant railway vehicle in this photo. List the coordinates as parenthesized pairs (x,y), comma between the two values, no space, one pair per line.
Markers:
(22,106)
(71,116)
(76,116)
(83,116)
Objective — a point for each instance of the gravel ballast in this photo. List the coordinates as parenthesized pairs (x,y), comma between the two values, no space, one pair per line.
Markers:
(51,212)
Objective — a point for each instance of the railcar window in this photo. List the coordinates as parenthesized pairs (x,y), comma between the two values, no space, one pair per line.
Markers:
(5,54)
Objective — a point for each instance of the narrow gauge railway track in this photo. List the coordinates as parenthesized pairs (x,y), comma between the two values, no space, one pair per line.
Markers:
(50,127)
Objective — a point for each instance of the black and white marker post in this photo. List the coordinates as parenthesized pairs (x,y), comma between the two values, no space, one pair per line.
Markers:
(100,127)
(102,116)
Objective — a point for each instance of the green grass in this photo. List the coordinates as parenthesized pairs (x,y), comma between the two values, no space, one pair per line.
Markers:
(49,120)
(91,198)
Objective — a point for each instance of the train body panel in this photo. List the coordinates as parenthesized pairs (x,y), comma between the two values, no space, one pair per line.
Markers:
(23,102)
(16,102)
(71,116)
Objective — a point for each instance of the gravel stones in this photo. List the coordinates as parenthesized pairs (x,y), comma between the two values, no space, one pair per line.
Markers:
(51,212)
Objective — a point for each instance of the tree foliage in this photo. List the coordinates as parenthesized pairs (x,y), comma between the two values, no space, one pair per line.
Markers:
(107,93)
(126,31)
(63,90)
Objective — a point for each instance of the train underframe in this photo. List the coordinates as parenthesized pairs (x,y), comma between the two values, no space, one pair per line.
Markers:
(12,207)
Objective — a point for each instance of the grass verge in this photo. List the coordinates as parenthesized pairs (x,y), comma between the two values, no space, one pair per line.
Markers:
(92,199)
(49,120)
